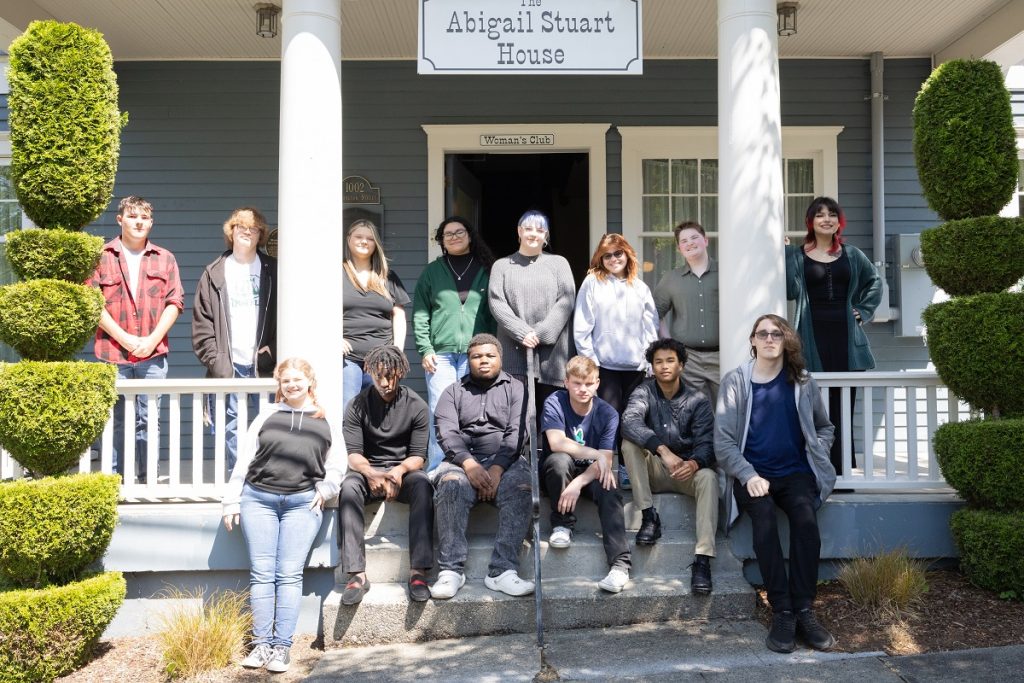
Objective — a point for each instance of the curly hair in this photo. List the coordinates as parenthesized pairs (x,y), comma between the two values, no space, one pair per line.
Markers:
(386,360)
(477,247)
(666,343)
(246,216)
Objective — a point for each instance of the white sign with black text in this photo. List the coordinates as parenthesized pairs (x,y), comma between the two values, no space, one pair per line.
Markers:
(530,37)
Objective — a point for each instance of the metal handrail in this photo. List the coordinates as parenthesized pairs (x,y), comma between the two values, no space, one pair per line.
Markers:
(531,426)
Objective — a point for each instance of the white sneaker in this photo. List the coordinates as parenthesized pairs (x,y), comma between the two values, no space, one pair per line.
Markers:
(447,585)
(509,583)
(258,657)
(560,537)
(280,660)
(615,581)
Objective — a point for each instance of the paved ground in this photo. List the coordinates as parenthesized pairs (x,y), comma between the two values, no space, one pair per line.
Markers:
(717,650)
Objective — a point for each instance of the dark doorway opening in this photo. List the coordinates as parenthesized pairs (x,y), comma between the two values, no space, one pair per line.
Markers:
(493,191)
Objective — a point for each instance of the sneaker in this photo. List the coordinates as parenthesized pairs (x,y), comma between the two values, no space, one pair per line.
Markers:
(447,585)
(560,537)
(509,583)
(258,657)
(782,635)
(650,527)
(615,581)
(624,478)
(280,660)
(355,589)
(700,575)
(813,633)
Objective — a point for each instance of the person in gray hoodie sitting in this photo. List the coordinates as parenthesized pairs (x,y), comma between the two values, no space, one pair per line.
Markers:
(772,435)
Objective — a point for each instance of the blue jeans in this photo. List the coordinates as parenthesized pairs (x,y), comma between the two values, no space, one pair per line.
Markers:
(353,380)
(451,367)
(279,530)
(232,430)
(151,368)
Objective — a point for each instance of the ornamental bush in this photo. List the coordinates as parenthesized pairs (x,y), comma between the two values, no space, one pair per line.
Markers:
(64,122)
(52,529)
(975,255)
(982,461)
(51,412)
(977,345)
(53,254)
(48,319)
(964,141)
(992,549)
(49,632)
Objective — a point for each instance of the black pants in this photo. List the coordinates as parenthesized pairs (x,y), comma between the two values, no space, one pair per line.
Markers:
(416,492)
(796,496)
(835,416)
(557,470)
(615,388)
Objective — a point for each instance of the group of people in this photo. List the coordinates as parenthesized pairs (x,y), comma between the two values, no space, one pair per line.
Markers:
(474,318)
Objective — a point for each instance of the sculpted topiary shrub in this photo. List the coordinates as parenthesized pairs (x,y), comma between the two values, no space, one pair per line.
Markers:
(975,255)
(964,141)
(48,319)
(51,412)
(981,460)
(49,632)
(54,254)
(52,529)
(991,547)
(64,123)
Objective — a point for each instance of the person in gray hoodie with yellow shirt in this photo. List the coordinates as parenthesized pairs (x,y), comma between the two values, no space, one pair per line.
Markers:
(772,434)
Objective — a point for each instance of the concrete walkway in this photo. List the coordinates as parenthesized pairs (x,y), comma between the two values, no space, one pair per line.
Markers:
(717,650)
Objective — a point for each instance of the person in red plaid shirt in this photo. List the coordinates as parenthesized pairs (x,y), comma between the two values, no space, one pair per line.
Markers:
(144,296)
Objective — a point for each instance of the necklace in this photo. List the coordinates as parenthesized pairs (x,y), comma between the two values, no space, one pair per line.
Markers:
(458,276)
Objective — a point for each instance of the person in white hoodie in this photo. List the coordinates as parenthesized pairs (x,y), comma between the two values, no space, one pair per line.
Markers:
(772,436)
(289,465)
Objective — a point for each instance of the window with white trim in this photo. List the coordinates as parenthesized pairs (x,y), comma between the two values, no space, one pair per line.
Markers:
(11,218)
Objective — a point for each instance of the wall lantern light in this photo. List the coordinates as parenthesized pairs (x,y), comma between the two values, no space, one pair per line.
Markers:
(787,18)
(267,17)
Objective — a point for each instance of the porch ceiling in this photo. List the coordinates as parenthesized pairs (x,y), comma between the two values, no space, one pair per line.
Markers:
(386,29)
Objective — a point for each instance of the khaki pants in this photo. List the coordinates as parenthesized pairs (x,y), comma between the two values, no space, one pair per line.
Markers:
(648,475)
(702,372)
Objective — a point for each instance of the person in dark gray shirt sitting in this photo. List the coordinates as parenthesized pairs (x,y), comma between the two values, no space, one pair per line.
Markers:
(386,435)
(480,428)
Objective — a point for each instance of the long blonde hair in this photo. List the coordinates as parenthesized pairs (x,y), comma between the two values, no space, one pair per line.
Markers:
(378,263)
(303,366)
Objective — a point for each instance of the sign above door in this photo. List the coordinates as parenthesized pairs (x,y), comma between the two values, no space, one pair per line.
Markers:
(530,37)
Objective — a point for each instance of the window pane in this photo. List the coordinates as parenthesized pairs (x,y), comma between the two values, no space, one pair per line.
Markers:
(709,213)
(684,176)
(684,209)
(800,178)
(1020,175)
(796,209)
(709,176)
(655,176)
(10,216)
(656,216)
(659,257)
(6,184)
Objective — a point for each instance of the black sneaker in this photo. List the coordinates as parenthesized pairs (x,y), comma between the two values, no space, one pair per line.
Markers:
(650,527)
(700,575)
(813,633)
(782,635)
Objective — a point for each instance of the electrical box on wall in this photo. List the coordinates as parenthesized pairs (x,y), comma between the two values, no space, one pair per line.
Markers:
(915,289)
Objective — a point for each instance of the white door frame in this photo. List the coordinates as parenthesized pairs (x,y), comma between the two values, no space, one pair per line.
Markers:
(588,138)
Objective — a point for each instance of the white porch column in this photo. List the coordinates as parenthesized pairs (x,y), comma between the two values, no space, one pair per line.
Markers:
(750,200)
(309,193)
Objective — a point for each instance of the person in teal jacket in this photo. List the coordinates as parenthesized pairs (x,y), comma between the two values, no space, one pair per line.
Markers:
(449,307)
(836,289)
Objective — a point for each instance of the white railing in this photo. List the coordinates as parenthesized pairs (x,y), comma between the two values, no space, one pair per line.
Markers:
(895,412)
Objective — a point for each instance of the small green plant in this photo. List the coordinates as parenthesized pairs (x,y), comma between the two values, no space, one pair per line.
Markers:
(203,633)
(54,254)
(991,548)
(888,584)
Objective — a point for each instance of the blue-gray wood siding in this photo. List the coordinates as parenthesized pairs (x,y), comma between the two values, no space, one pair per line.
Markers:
(202,139)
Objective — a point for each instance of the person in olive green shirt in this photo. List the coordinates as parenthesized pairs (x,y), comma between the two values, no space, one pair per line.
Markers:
(449,307)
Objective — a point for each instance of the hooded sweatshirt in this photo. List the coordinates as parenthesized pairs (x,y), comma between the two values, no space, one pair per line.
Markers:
(287,450)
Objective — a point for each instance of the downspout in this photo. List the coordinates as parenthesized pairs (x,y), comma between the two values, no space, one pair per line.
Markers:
(883,313)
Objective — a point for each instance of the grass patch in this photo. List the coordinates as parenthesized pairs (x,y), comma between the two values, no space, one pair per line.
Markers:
(887,584)
(199,637)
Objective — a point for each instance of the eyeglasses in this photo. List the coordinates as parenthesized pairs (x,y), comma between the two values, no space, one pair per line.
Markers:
(454,234)
(613,254)
(776,335)
(245,228)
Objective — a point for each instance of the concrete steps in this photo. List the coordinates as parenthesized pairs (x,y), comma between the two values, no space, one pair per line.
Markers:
(659,589)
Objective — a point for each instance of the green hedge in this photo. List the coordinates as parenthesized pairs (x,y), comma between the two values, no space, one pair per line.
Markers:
(51,412)
(52,529)
(964,141)
(977,344)
(975,255)
(991,549)
(64,123)
(984,461)
(53,254)
(49,319)
(50,632)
